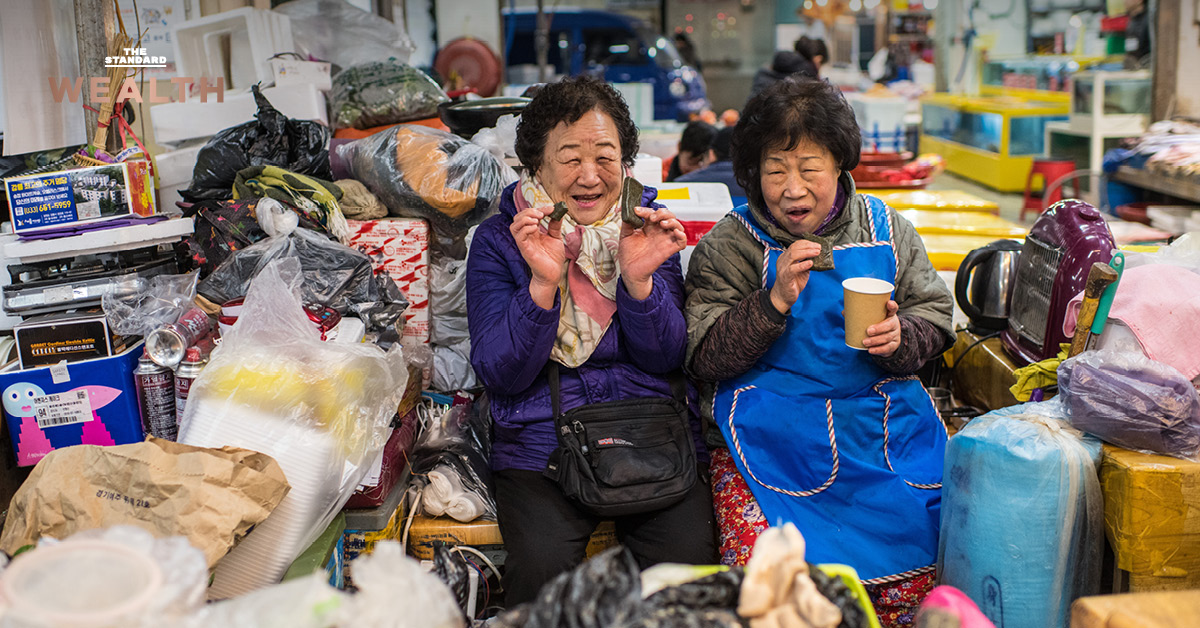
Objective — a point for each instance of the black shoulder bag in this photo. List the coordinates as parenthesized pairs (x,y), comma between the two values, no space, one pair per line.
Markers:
(623,457)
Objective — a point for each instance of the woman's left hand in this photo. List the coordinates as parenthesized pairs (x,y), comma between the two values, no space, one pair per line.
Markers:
(884,338)
(641,251)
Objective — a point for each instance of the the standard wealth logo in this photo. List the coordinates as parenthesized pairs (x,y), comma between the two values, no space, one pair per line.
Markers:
(100,89)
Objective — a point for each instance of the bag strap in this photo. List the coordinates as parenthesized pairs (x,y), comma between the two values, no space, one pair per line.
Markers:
(676,379)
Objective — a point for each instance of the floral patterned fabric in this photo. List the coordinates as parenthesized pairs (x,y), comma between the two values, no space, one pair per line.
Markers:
(741,521)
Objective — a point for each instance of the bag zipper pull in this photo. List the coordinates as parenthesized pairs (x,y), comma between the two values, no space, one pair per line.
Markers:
(579,429)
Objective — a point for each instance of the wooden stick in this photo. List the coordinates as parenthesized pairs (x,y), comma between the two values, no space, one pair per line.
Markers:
(1099,278)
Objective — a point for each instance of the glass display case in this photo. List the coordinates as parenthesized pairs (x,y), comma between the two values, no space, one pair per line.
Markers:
(991,140)
(1043,73)
(1111,102)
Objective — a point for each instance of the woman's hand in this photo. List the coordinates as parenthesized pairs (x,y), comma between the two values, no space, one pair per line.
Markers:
(641,251)
(791,273)
(543,251)
(884,338)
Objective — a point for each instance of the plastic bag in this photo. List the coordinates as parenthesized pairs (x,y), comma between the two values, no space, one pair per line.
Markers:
(455,444)
(394,591)
(500,140)
(344,35)
(1132,401)
(307,602)
(421,172)
(272,139)
(448,301)
(1022,515)
(166,297)
(184,576)
(452,368)
(336,276)
(378,93)
(321,409)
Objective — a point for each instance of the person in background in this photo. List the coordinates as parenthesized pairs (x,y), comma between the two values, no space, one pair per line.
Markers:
(845,443)
(687,50)
(602,300)
(693,149)
(814,51)
(784,64)
(720,168)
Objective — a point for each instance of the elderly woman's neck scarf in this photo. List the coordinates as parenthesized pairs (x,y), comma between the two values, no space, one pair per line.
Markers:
(588,293)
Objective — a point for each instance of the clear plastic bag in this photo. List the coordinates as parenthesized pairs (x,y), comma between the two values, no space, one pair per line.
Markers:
(336,276)
(1132,401)
(394,591)
(378,93)
(321,409)
(344,35)
(452,368)
(500,140)
(160,304)
(421,172)
(307,602)
(455,447)
(1022,515)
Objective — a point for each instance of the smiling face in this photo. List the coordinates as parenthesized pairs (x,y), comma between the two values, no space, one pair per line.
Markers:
(799,186)
(581,166)
(18,399)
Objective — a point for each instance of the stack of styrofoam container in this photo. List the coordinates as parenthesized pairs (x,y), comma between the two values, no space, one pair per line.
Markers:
(880,120)
(401,247)
(240,42)
(180,121)
(698,206)
(175,170)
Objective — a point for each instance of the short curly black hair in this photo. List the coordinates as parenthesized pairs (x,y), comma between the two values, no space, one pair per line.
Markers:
(567,101)
(793,110)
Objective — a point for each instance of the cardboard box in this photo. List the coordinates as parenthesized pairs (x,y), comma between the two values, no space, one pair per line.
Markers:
(482,535)
(70,336)
(1139,610)
(86,403)
(401,247)
(1152,519)
(85,195)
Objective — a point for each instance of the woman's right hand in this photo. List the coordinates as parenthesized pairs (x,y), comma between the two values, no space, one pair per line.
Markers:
(543,251)
(791,273)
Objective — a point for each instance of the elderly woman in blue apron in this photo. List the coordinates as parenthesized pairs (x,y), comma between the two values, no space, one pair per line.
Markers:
(843,442)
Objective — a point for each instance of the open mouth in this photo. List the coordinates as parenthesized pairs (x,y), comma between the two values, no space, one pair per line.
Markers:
(586,200)
(798,213)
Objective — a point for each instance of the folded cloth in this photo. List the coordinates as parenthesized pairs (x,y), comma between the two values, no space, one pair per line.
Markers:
(314,198)
(445,495)
(358,203)
(1160,303)
(1038,375)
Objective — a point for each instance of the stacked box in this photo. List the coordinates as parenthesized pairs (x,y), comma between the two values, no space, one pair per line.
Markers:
(367,526)
(1152,519)
(401,247)
(1140,610)
(70,198)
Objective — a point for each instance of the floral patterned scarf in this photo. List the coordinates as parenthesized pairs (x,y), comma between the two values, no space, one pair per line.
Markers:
(589,289)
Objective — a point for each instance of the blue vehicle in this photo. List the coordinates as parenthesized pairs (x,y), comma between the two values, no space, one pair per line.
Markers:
(615,47)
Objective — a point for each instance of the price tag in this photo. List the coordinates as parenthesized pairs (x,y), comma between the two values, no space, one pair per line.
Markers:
(65,408)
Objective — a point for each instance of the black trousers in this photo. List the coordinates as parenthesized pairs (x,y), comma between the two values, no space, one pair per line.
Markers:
(546,534)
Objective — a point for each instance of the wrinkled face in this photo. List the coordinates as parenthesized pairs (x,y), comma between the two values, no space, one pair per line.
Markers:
(18,399)
(799,186)
(581,165)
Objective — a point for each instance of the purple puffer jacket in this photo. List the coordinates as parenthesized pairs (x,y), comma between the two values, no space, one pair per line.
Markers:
(511,338)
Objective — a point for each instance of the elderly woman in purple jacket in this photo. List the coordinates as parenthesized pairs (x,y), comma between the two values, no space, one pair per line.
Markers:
(599,298)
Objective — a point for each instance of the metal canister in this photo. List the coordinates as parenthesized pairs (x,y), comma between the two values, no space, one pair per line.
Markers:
(189,369)
(156,398)
(168,344)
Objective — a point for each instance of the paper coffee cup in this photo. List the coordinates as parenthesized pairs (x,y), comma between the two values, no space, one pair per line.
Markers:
(865,304)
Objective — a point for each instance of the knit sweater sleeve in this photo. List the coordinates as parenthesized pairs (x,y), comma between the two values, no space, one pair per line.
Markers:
(738,339)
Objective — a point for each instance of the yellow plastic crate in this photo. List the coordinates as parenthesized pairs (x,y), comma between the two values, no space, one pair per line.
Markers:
(962,223)
(936,200)
(946,251)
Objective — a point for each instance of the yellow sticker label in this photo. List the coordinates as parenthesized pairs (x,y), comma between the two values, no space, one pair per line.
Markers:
(676,194)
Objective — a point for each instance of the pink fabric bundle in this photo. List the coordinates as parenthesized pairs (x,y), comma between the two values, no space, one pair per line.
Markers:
(944,605)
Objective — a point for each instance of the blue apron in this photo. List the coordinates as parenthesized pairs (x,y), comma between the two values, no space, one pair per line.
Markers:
(828,440)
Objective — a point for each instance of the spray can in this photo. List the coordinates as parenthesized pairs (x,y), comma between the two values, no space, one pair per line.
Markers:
(156,398)
(168,344)
(187,372)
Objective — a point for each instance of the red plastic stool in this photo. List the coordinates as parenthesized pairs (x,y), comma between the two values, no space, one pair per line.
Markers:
(1051,170)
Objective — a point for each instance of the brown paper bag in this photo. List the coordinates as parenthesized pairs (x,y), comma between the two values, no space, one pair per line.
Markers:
(211,496)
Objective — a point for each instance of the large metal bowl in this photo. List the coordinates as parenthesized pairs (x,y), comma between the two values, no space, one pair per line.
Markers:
(468,117)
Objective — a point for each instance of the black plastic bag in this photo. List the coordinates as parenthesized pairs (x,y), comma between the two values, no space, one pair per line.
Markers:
(336,276)
(457,443)
(272,139)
